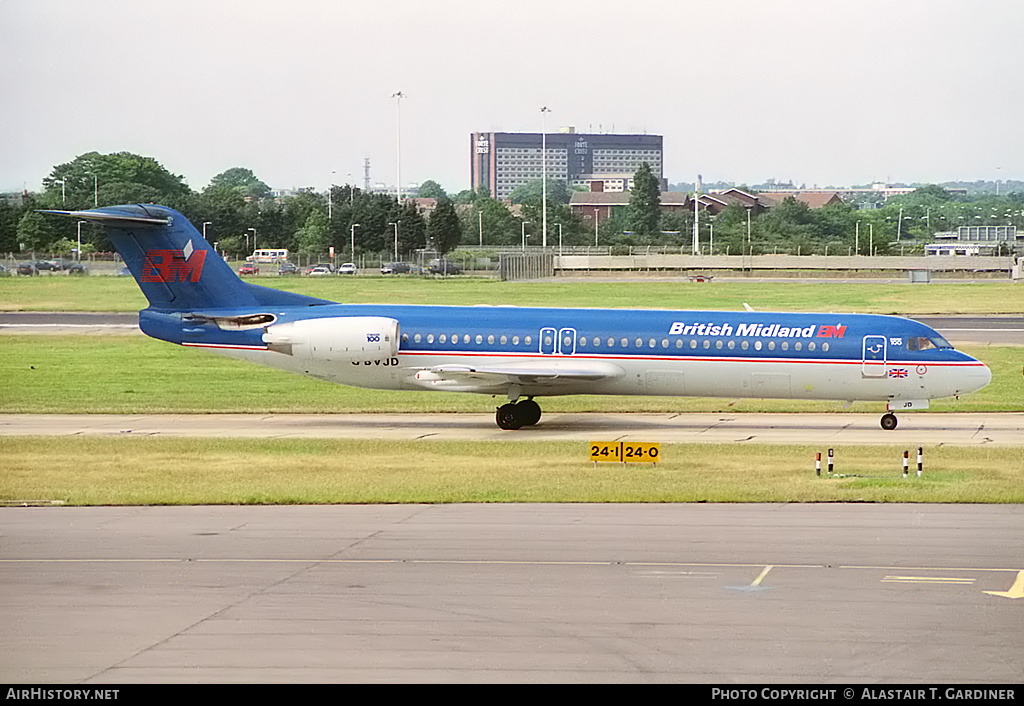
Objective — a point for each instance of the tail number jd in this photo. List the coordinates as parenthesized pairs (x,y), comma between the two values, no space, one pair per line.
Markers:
(379,361)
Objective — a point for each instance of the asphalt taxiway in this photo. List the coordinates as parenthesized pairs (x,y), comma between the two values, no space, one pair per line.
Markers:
(959,429)
(719,594)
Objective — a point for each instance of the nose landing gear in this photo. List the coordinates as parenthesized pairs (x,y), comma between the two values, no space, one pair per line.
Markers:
(524,413)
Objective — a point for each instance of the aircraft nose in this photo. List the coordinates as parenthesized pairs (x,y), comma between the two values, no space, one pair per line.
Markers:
(978,376)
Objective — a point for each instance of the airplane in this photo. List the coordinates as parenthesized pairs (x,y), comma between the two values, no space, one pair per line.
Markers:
(523,353)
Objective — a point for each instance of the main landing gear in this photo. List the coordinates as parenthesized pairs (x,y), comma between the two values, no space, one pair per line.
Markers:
(889,421)
(515,415)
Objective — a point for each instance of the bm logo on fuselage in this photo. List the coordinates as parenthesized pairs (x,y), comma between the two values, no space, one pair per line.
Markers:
(168,266)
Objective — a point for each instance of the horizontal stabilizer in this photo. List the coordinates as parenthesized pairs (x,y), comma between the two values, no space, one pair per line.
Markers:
(116,218)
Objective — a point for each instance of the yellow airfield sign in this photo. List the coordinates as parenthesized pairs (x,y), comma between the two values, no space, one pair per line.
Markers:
(624,452)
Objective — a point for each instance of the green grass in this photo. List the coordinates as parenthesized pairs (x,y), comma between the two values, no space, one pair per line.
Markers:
(131,471)
(134,374)
(122,294)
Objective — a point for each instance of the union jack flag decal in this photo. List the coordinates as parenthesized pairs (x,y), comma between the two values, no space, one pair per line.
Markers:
(898,373)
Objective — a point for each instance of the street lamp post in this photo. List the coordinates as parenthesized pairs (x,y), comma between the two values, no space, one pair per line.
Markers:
(395,224)
(79,251)
(559,240)
(398,159)
(524,235)
(544,176)
(352,234)
(206,223)
(253,246)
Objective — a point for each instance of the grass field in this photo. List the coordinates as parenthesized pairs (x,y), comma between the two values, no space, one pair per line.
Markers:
(135,374)
(122,294)
(131,471)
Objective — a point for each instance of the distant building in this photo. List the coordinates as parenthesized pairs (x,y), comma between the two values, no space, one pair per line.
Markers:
(601,205)
(813,199)
(501,161)
(976,240)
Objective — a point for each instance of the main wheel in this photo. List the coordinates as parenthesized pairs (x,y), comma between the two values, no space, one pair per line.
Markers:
(528,411)
(507,417)
(889,422)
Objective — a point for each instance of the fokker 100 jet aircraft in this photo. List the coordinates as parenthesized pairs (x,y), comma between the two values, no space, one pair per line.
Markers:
(522,353)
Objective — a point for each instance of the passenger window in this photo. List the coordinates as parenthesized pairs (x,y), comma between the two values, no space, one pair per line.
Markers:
(442,339)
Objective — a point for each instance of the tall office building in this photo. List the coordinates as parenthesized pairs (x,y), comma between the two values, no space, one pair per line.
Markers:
(501,161)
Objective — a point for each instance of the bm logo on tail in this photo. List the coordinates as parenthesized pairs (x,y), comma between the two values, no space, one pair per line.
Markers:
(170,266)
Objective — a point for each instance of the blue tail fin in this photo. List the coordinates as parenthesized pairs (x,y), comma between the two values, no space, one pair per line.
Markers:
(175,266)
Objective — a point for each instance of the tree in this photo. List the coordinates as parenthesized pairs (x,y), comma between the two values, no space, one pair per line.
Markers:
(443,229)
(492,217)
(644,211)
(312,238)
(111,179)
(35,232)
(531,193)
(412,234)
(430,189)
(242,181)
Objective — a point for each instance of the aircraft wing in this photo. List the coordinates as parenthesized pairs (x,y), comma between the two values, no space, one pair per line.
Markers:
(491,377)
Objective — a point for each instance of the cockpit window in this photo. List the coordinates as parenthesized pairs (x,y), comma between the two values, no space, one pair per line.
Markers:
(924,343)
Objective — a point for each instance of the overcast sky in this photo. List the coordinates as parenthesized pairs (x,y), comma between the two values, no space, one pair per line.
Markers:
(820,92)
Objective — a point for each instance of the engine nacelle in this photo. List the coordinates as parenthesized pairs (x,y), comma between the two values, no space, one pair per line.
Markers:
(335,337)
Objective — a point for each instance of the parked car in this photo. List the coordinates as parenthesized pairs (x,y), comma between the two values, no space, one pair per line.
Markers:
(287,268)
(124,272)
(76,268)
(395,268)
(329,267)
(4,271)
(248,269)
(318,271)
(444,267)
(347,268)
(61,264)
(28,268)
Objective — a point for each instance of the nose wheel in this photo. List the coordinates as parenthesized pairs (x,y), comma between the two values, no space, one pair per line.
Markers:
(889,421)
(524,413)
